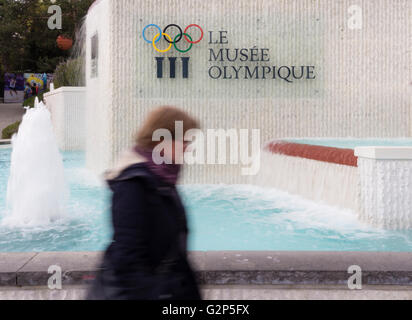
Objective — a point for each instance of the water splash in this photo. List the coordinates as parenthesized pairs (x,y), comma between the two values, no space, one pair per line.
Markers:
(36,191)
(318,181)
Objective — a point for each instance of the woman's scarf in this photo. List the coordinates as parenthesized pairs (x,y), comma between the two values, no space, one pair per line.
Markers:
(168,173)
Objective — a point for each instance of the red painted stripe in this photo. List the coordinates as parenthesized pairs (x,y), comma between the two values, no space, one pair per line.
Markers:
(321,153)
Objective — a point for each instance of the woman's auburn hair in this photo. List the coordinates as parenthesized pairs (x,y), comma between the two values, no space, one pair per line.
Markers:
(163,117)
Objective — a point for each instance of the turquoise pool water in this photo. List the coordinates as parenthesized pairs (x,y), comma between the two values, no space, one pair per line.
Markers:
(221,217)
(352,143)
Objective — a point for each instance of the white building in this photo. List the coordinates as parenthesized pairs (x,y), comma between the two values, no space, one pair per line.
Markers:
(356,70)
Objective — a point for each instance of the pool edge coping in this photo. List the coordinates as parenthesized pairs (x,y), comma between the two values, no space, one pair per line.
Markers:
(224,267)
(5,142)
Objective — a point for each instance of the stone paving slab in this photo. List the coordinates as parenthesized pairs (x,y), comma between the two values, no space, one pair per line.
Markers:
(307,260)
(225,267)
(76,267)
(305,267)
(10,264)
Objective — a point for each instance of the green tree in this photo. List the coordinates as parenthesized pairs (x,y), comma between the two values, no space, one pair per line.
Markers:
(26,42)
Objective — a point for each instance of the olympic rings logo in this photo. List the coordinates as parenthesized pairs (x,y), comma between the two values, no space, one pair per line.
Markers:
(182,34)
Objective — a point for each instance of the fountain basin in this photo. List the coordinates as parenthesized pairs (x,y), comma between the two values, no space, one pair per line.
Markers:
(221,217)
(246,241)
(371,177)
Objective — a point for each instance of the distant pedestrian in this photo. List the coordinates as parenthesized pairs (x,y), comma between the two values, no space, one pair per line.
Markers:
(27,90)
(12,86)
(34,90)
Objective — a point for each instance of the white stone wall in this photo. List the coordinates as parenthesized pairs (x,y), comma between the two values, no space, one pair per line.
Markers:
(67,107)
(362,87)
(100,91)
(329,183)
(386,193)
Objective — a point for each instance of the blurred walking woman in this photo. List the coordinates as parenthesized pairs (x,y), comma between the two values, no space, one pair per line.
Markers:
(146,259)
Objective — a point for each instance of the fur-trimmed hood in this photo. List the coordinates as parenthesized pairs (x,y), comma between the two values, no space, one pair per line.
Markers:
(127,159)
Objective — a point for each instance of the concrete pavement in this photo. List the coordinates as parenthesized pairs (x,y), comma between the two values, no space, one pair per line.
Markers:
(10,113)
(231,292)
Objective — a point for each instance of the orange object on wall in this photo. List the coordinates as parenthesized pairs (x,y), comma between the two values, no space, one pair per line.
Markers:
(64,43)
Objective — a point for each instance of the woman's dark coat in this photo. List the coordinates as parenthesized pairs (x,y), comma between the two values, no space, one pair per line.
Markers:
(147,257)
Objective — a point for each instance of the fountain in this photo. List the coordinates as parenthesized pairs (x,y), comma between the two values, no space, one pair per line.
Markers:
(36,191)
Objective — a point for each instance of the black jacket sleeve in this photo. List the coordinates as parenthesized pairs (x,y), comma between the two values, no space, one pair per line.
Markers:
(128,254)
